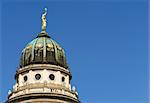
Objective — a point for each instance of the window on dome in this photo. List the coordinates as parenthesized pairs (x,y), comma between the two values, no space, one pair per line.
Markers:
(38,54)
(50,56)
(37,76)
(25,78)
(51,77)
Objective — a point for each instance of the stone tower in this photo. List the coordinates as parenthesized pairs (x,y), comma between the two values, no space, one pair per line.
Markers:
(43,76)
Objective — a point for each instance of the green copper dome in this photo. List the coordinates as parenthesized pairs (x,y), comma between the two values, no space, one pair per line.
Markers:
(43,50)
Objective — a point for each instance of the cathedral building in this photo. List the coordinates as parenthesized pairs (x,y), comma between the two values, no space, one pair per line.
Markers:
(43,75)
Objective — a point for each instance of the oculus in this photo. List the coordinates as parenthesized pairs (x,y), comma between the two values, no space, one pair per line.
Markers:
(63,79)
(37,76)
(25,78)
(51,77)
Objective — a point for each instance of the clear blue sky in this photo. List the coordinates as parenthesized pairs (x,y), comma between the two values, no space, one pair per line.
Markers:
(106,44)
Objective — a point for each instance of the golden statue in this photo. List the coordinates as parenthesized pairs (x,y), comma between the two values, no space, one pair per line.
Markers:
(44,19)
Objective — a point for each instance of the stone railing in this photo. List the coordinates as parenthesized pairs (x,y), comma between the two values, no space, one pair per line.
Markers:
(43,88)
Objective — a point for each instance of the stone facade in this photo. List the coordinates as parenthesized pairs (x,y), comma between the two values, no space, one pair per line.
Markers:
(43,90)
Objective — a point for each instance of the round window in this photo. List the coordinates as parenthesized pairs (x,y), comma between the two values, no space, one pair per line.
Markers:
(51,76)
(63,79)
(25,78)
(37,76)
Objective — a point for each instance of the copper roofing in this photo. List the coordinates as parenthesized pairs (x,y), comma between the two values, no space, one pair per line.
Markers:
(43,50)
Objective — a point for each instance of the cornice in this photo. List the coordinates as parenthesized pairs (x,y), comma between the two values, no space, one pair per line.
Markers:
(42,96)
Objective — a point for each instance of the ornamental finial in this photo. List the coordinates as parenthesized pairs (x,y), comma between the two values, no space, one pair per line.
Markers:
(44,19)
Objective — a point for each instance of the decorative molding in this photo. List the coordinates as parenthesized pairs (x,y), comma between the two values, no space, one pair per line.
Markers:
(42,67)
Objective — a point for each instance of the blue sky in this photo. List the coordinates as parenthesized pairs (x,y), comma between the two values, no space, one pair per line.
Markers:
(106,44)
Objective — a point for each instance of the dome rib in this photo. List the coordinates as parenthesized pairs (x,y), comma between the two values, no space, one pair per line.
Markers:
(44,49)
(32,56)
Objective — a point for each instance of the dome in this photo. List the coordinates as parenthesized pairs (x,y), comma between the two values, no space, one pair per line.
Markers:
(43,50)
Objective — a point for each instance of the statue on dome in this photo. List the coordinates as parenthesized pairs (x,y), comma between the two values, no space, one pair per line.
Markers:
(44,19)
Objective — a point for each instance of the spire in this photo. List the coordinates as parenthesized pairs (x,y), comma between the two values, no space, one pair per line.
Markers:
(44,20)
